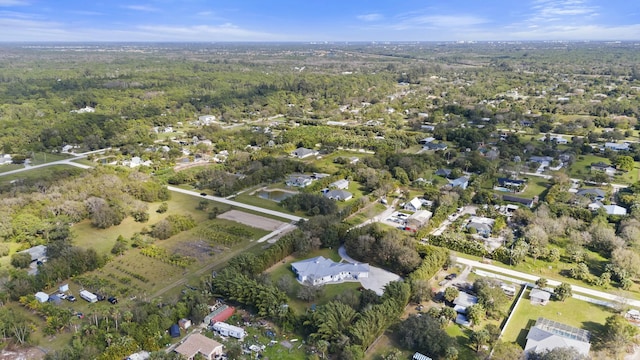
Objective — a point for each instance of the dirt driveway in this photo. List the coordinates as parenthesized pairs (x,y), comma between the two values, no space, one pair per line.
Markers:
(252,220)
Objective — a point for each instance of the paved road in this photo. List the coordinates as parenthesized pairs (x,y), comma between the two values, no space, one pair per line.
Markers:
(533,278)
(69,161)
(615,187)
(238,204)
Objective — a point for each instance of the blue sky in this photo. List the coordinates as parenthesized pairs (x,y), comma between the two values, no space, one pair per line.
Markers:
(318,20)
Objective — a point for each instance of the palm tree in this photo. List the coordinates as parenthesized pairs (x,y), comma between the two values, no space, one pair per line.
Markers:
(322,346)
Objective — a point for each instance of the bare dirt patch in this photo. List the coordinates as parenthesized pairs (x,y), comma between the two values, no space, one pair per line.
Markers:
(22,354)
(198,249)
(252,220)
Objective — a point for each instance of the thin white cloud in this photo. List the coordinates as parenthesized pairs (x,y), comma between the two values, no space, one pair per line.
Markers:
(87,13)
(145,8)
(13,3)
(370,17)
(223,32)
(562,10)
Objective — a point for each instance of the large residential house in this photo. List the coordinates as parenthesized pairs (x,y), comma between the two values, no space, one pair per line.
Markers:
(518,200)
(595,194)
(554,138)
(548,335)
(199,344)
(461,182)
(482,225)
(542,160)
(616,147)
(603,167)
(320,270)
(340,184)
(299,180)
(511,184)
(435,146)
(418,219)
(339,195)
(302,153)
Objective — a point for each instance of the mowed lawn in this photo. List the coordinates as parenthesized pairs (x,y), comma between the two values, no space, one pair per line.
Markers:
(573,312)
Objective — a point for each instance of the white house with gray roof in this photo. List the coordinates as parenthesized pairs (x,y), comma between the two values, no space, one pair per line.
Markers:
(320,270)
(548,335)
(302,153)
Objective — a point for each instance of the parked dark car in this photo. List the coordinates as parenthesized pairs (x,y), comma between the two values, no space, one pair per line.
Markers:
(451,276)
(101,297)
(203,194)
(71,298)
(113,300)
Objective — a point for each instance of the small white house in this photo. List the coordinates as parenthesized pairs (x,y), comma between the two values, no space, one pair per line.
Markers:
(414,205)
(42,297)
(229,330)
(340,184)
(63,288)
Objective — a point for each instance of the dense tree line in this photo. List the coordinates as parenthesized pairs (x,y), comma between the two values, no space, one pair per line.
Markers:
(390,249)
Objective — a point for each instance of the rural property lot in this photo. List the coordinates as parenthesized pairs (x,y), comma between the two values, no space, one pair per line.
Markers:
(252,220)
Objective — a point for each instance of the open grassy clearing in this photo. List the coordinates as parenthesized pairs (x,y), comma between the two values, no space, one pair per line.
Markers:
(10,167)
(367,213)
(255,200)
(573,312)
(385,343)
(43,158)
(535,187)
(88,236)
(461,336)
(326,163)
(581,167)
(42,173)
(553,271)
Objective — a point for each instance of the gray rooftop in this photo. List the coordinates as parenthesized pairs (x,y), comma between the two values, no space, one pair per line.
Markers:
(319,267)
(548,335)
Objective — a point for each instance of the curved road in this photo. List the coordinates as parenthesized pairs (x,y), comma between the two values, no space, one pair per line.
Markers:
(533,278)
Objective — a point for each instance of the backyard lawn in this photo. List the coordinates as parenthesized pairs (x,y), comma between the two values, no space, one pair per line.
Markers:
(573,312)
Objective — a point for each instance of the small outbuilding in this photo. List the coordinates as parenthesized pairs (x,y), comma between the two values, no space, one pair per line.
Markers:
(184,323)
(42,297)
(174,331)
(539,297)
(418,356)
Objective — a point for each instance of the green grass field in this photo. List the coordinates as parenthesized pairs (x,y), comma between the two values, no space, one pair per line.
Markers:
(102,240)
(255,200)
(553,271)
(36,174)
(573,312)
(535,187)
(581,167)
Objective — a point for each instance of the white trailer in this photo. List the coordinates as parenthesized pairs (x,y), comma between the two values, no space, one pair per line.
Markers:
(90,297)
(229,330)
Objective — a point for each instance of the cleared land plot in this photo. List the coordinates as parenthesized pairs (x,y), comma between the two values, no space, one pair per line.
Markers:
(252,220)
(573,312)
